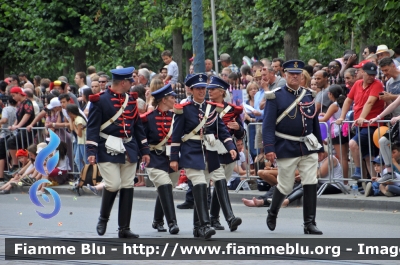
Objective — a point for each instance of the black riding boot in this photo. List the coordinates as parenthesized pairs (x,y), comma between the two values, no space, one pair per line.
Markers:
(277,199)
(124,213)
(107,203)
(158,220)
(223,198)
(310,209)
(200,200)
(196,222)
(167,202)
(214,212)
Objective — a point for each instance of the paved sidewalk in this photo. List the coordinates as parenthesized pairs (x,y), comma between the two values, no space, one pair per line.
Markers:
(343,201)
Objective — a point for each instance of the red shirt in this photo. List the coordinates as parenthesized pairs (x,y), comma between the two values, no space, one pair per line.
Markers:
(360,97)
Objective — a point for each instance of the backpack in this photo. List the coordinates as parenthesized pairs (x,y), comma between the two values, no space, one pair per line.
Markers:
(90,174)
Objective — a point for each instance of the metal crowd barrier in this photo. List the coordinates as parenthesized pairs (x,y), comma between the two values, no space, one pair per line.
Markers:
(370,143)
(330,180)
(37,136)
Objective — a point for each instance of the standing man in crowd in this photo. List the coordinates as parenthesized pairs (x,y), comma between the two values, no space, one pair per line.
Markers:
(292,136)
(226,61)
(322,101)
(209,67)
(365,95)
(277,66)
(25,115)
(80,79)
(103,79)
(115,139)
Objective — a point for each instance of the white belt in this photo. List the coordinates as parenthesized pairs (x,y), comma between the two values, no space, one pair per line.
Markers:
(290,137)
(194,137)
(154,147)
(125,140)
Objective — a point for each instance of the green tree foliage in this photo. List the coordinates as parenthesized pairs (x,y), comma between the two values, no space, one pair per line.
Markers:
(50,38)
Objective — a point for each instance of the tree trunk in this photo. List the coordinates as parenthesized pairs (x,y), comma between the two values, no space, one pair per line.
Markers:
(80,60)
(363,43)
(189,55)
(1,71)
(177,42)
(291,42)
(65,70)
(198,37)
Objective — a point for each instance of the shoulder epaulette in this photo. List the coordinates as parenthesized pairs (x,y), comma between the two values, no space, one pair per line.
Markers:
(236,109)
(143,116)
(218,106)
(178,108)
(134,95)
(313,92)
(95,97)
(271,94)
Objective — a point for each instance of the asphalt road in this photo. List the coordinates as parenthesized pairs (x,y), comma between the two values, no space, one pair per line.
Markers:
(78,218)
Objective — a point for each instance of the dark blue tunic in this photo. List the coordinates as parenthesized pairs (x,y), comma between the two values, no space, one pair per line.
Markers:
(157,124)
(294,124)
(192,153)
(103,108)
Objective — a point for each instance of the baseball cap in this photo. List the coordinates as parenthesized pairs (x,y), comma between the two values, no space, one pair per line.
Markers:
(361,64)
(224,57)
(378,160)
(17,90)
(54,102)
(40,147)
(370,68)
(22,152)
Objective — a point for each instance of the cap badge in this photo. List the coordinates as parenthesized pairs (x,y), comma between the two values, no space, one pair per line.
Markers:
(296,65)
(200,78)
(372,68)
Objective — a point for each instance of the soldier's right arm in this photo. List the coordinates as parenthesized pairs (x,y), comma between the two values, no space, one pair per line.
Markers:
(177,133)
(268,126)
(93,125)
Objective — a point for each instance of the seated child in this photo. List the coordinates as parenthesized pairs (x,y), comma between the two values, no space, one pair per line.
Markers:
(388,189)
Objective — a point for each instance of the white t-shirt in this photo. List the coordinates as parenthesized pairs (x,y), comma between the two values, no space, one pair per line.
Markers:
(9,113)
(81,90)
(173,71)
(242,159)
(64,164)
(36,107)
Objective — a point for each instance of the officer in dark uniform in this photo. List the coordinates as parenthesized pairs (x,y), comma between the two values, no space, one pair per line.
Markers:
(231,117)
(291,135)
(195,126)
(115,139)
(157,124)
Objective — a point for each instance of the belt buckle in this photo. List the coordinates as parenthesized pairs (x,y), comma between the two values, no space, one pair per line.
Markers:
(302,139)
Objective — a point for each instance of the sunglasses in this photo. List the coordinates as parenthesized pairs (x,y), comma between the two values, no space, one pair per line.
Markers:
(332,66)
(102,81)
(224,74)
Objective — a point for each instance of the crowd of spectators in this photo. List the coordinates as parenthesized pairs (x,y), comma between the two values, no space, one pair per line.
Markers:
(364,87)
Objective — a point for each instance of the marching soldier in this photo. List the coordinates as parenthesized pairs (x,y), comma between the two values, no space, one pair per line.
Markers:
(115,139)
(196,125)
(231,117)
(158,129)
(291,135)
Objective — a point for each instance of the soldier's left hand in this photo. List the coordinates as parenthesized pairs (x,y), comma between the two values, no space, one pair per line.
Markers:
(233,154)
(146,160)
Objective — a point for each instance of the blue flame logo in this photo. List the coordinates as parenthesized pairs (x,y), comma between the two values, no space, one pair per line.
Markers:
(51,165)
(35,200)
(50,148)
